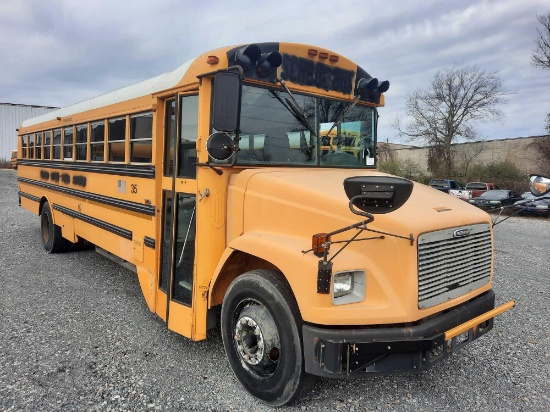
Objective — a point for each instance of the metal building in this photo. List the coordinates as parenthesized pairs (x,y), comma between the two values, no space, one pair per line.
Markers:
(11,117)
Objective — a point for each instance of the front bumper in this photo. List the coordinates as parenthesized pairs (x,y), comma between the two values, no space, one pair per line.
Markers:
(342,353)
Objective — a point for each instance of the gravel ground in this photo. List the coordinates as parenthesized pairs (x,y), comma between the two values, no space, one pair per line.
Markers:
(76,335)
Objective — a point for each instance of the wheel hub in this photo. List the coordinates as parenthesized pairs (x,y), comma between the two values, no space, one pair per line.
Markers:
(256,340)
(249,340)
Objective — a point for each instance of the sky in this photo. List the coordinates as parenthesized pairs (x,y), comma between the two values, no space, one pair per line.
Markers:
(59,52)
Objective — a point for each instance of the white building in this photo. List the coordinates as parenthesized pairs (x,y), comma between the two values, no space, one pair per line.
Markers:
(11,117)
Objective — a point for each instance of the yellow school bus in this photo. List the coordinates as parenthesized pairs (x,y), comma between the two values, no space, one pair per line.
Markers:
(213,183)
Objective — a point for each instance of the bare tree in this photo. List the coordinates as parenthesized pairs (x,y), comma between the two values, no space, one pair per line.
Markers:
(449,109)
(542,148)
(541,55)
(385,153)
(464,156)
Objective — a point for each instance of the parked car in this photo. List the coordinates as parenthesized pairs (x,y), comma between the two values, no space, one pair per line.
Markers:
(477,188)
(444,185)
(473,189)
(528,195)
(493,199)
(532,205)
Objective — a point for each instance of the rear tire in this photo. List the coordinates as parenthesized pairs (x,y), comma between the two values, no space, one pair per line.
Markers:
(262,336)
(52,238)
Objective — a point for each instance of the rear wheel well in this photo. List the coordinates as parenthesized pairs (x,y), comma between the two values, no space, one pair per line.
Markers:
(42,201)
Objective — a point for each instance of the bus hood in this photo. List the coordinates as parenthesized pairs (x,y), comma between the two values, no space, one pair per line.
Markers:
(302,202)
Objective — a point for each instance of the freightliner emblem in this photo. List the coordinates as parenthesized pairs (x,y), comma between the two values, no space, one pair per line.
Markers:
(461,232)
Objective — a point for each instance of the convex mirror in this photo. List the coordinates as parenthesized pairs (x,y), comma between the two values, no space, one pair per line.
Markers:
(220,146)
(539,185)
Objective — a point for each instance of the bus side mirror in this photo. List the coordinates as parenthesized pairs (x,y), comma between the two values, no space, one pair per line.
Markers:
(226,102)
(539,185)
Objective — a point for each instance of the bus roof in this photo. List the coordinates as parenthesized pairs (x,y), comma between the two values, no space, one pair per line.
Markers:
(301,67)
(143,88)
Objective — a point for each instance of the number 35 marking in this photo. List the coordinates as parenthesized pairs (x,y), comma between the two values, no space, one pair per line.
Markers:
(133,188)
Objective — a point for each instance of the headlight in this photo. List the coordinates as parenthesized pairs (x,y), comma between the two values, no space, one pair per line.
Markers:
(343,284)
(494,202)
(542,206)
(348,287)
(471,201)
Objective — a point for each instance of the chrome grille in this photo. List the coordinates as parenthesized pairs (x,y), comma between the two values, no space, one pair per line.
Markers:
(451,263)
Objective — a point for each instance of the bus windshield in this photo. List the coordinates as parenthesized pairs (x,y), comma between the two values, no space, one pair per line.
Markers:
(274,133)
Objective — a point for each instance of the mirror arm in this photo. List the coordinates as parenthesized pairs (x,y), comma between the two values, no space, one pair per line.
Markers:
(218,171)
(236,148)
(239,69)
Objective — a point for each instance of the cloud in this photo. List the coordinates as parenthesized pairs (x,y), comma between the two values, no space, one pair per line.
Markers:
(63,51)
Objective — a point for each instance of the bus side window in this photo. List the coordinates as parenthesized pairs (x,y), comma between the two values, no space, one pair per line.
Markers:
(31,146)
(117,139)
(189,106)
(47,144)
(81,142)
(97,141)
(24,146)
(38,149)
(141,138)
(68,143)
(56,144)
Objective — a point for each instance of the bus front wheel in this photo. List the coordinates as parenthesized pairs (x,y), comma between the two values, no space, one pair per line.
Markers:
(261,331)
(52,239)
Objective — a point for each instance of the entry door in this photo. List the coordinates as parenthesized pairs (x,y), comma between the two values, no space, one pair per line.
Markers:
(179,188)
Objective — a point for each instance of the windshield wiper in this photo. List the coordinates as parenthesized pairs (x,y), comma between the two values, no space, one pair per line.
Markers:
(341,119)
(294,108)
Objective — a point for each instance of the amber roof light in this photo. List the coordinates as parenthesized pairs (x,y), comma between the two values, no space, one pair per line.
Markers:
(212,60)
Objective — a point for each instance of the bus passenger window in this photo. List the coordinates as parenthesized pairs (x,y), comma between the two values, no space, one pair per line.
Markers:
(38,148)
(31,146)
(117,139)
(81,141)
(56,144)
(47,144)
(97,142)
(24,146)
(188,136)
(141,138)
(68,143)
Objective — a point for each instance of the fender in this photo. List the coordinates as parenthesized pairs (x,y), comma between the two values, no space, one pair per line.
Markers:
(283,253)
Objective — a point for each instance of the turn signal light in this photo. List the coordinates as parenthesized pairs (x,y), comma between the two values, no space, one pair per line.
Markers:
(320,243)
(212,60)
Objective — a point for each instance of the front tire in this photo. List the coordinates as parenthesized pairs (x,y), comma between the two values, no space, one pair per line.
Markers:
(261,331)
(52,239)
